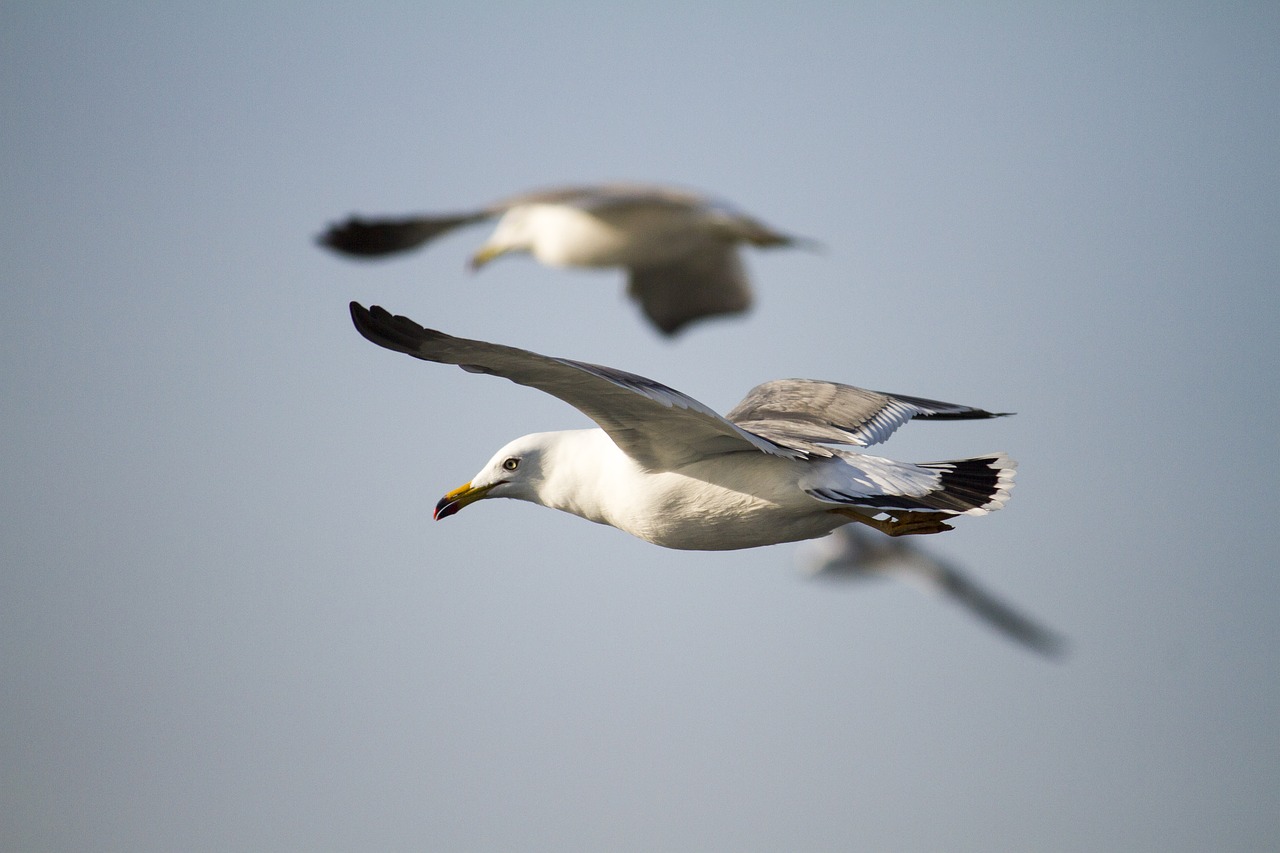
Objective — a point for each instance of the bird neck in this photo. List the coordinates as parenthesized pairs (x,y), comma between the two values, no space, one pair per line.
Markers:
(582,469)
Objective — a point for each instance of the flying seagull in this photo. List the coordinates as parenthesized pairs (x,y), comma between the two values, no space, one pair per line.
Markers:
(680,249)
(667,469)
(853,553)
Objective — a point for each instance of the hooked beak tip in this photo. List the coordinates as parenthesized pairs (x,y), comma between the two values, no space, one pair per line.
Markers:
(457,499)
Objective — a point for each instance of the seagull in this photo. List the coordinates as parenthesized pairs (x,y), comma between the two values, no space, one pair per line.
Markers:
(679,248)
(852,553)
(667,469)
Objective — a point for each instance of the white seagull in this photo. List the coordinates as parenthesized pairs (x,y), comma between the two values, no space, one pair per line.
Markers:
(852,553)
(667,469)
(679,248)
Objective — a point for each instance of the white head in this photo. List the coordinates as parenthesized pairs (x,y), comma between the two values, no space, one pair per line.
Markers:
(514,233)
(515,471)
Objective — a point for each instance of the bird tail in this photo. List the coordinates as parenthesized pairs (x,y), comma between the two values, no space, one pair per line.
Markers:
(973,486)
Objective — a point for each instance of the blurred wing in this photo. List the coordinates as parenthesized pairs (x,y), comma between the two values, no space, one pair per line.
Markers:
(657,426)
(807,413)
(612,196)
(603,197)
(369,238)
(706,283)
(849,552)
(852,552)
(997,614)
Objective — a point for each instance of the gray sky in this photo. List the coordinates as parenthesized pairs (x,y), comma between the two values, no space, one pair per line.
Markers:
(228,622)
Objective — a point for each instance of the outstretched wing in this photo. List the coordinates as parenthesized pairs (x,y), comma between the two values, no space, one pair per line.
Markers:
(808,413)
(853,552)
(998,614)
(368,238)
(604,198)
(706,283)
(657,426)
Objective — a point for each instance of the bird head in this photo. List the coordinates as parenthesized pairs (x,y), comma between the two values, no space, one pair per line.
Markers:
(515,471)
(514,233)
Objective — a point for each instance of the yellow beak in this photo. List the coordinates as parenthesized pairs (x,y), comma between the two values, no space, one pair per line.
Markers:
(458,498)
(484,255)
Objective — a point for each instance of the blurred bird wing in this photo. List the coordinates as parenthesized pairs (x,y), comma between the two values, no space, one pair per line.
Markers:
(384,236)
(995,612)
(605,197)
(706,283)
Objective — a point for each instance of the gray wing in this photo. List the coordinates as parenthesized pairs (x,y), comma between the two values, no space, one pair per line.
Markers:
(809,413)
(720,221)
(987,606)
(657,426)
(606,196)
(709,283)
(369,238)
(616,202)
(851,552)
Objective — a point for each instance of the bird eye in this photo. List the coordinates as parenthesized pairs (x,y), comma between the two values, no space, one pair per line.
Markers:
(511,464)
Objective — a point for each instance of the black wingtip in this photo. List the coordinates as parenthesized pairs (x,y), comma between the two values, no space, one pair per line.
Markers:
(364,321)
(381,327)
(366,238)
(360,316)
(394,332)
(372,238)
(335,238)
(969,415)
(348,238)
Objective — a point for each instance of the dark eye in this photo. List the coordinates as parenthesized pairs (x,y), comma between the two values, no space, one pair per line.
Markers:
(511,464)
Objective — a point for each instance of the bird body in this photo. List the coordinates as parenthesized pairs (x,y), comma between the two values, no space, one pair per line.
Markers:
(679,248)
(701,506)
(634,235)
(665,468)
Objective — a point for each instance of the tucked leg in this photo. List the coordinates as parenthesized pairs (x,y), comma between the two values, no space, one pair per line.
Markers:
(902,524)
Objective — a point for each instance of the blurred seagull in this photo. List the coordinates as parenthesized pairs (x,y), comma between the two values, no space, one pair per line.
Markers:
(679,249)
(667,469)
(854,553)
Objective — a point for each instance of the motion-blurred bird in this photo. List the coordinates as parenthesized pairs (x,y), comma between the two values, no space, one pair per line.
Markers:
(852,553)
(680,249)
(667,469)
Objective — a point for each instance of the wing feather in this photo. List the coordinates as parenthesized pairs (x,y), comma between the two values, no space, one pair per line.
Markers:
(808,413)
(368,238)
(708,283)
(657,426)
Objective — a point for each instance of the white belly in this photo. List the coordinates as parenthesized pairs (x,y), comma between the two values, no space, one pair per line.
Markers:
(568,237)
(704,517)
(713,508)
(726,502)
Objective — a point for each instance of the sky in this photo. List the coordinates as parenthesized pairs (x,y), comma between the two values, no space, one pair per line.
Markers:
(229,623)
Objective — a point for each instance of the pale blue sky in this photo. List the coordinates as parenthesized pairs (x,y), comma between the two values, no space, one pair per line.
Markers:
(228,621)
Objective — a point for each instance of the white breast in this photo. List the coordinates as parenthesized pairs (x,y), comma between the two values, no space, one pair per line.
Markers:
(724,503)
(566,236)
